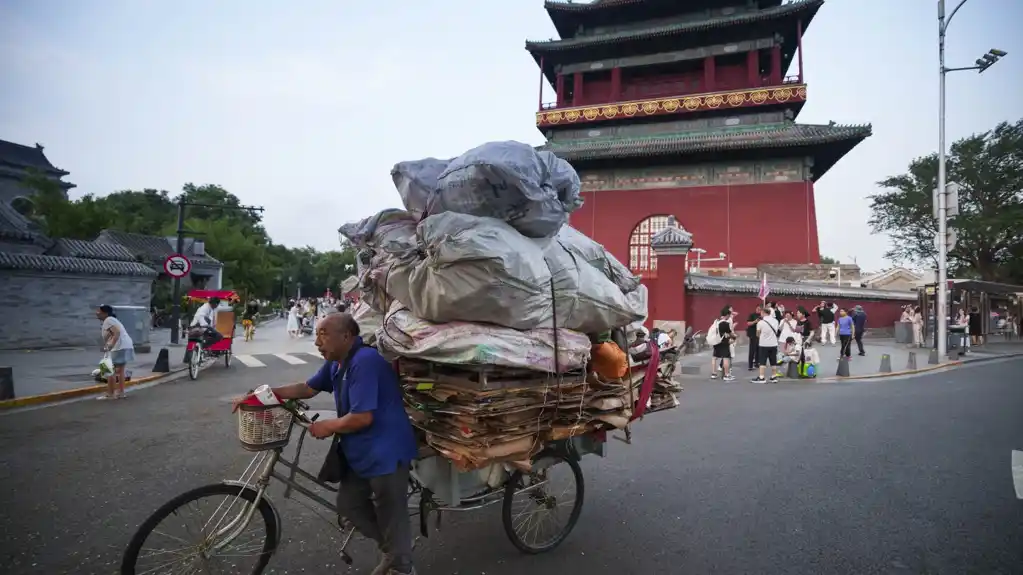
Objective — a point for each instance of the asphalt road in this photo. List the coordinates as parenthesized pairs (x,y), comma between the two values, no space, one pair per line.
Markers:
(899,476)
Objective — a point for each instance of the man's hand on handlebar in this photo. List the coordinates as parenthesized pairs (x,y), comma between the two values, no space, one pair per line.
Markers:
(322,429)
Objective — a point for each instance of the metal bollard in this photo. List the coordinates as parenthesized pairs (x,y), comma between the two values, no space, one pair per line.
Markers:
(793,370)
(162,361)
(911,363)
(6,383)
(932,359)
(886,363)
(843,367)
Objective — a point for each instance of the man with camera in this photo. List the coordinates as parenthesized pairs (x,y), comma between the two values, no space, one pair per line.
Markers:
(826,314)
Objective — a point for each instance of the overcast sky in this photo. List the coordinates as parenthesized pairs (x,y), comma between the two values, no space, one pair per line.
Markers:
(303,107)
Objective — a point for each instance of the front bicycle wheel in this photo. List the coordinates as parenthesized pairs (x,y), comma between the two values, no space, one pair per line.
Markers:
(540,509)
(195,362)
(179,538)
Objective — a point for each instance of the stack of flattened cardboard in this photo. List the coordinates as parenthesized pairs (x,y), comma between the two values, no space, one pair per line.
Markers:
(477,416)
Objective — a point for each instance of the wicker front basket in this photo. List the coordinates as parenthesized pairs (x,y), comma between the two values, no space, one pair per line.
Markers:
(262,427)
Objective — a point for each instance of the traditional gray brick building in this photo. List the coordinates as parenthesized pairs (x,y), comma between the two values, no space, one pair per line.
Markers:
(49,288)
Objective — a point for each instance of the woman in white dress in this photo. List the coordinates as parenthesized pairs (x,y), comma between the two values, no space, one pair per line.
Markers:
(293,313)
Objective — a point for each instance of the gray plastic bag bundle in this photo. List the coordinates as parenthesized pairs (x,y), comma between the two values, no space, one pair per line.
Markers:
(533,191)
(416,182)
(479,270)
(585,299)
(387,254)
(594,254)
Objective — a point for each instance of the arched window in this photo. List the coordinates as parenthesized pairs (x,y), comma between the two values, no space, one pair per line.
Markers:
(642,260)
(22,205)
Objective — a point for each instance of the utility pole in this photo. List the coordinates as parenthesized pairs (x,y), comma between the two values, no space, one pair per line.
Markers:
(983,63)
(180,248)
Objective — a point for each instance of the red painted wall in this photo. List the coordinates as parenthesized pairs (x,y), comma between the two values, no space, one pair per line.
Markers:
(753,224)
(702,308)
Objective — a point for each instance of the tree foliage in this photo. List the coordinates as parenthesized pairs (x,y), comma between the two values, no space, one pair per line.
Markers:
(828,261)
(253,264)
(989,167)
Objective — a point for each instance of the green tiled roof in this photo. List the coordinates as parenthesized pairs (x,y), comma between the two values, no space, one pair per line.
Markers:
(776,136)
(675,29)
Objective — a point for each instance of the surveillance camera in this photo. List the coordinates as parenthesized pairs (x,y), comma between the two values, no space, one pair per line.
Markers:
(832,273)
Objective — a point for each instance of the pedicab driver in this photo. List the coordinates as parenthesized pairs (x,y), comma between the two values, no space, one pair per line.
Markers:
(376,444)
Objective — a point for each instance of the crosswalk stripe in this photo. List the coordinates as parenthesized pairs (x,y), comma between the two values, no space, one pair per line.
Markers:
(249,361)
(290,359)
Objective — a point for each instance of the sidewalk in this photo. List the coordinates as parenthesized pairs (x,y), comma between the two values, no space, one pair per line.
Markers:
(47,371)
(697,366)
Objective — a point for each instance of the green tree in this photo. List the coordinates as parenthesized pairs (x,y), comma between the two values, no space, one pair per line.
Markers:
(989,167)
(825,260)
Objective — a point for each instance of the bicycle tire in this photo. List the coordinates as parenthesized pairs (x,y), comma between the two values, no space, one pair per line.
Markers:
(266,511)
(195,362)
(509,495)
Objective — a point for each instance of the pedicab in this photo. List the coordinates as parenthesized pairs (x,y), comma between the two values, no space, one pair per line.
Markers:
(205,348)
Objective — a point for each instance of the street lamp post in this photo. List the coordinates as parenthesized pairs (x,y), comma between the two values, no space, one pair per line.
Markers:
(983,63)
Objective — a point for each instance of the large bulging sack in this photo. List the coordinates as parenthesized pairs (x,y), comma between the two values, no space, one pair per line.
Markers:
(479,269)
(533,191)
(416,182)
(387,254)
(370,321)
(585,300)
(597,256)
(467,343)
(392,229)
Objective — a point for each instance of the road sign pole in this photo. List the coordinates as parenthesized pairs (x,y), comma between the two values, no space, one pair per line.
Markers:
(176,293)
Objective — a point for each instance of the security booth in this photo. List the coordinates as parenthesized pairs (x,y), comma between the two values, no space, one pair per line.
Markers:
(998,306)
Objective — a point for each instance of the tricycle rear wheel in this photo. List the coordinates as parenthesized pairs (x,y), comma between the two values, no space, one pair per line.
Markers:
(526,510)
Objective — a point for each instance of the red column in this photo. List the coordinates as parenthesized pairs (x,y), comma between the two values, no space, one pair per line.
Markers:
(671,246)
(776,78)
(709,74)
(577,89)
(753,68)
(616,84)
(560,87)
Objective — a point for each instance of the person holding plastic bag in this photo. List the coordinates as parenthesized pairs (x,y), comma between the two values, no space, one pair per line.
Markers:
(121,349)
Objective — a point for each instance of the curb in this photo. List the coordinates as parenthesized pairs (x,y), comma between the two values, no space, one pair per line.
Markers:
(65,394)
(956,363)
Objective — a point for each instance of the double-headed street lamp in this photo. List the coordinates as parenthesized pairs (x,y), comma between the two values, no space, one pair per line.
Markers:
(982,63)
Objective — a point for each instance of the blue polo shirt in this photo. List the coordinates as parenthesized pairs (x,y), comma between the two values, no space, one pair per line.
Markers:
(366,382)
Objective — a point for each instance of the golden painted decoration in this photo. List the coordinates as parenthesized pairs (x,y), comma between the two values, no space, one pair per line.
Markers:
(782,95)
(672,105)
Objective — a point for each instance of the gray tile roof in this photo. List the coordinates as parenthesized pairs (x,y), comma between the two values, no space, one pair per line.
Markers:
(153,249)
(15,226)
(700,282)
(26,157)
(92,250)
(809,7)
(62,264)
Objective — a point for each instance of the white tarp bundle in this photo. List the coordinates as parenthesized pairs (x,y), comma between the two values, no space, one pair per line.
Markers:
(466,343)
(533,191)
(594,254)
(479,269)
(387,244)
(416,182)
(370,321)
